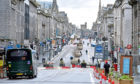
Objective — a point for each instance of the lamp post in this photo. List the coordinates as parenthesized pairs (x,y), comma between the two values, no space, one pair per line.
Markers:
(104,39)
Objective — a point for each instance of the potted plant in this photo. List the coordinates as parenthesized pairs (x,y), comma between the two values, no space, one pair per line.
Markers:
(125,79)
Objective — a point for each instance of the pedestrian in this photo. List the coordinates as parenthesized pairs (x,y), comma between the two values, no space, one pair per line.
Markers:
(114,60)
(83,64)
(71,58)
(61,59)
(87,44)
(81,52)
(62,62)
(106,67)
(79,61)
(86,51)
(93,59)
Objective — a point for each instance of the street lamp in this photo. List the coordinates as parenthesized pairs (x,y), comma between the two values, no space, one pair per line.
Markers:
(104,39)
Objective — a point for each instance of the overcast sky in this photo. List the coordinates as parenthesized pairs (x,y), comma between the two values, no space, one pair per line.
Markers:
(81,11)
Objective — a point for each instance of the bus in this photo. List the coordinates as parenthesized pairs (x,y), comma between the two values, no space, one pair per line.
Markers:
(21,62)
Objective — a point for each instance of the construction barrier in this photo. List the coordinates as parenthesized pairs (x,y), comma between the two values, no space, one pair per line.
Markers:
(49,67)
(73,65)
(78,66)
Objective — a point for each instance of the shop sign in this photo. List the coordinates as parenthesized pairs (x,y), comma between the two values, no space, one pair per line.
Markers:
(129,46)
(1,63)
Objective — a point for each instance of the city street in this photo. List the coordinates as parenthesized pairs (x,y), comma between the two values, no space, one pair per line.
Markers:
(59,75)
(69,41)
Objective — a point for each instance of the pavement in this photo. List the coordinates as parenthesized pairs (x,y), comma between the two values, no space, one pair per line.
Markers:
(137,79)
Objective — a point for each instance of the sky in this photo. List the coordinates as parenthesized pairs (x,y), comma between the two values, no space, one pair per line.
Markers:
(81,11)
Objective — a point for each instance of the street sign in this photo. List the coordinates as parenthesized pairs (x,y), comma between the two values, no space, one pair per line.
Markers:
(99,49)
(93,45)
(129,46)
(98,56)
(9,47)
(18,46)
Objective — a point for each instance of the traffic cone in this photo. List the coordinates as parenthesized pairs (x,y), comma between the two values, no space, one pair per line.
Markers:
(103,71)
(105,80)
(113,82)
(100,81)
(109,81)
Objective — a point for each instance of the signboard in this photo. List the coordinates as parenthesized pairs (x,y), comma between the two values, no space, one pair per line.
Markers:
(18,46)
(93,45)
(126,65)
(98,49)
(129,46)
(26,42)
(1,63)
(53,42)
(9,47)
(98,55)
(102,65)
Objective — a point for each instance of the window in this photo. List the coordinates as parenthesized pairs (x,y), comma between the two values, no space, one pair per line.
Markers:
(18,53)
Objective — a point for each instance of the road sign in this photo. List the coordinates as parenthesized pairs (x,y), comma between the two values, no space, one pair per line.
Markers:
(98,55)
(99,49)
(9,47)
(129,46)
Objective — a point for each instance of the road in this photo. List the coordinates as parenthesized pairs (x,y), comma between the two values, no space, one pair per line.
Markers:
(59,75)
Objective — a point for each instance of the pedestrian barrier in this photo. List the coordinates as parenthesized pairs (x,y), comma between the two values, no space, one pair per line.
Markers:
(66,67)
(92,67)
(73,65)
(77,66)
(49,67)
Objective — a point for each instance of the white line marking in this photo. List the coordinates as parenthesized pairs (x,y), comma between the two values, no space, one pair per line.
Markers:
(91,78)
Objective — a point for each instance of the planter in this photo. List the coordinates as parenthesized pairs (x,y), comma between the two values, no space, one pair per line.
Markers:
(126,81)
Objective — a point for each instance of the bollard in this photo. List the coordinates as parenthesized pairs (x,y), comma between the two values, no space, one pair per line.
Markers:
(103,81)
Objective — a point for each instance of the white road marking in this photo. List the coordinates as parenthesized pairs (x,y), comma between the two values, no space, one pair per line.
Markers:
(91,78)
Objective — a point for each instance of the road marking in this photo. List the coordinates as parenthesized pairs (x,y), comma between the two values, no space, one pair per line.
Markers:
(91,78)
